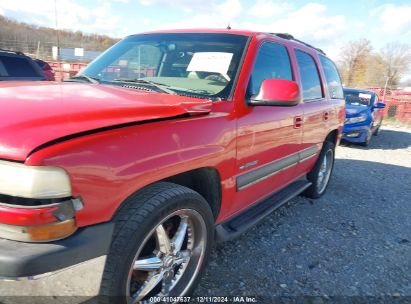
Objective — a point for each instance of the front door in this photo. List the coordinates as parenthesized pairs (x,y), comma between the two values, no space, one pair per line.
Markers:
(268,137)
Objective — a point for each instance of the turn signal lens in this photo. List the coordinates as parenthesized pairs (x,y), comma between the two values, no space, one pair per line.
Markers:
(38,233)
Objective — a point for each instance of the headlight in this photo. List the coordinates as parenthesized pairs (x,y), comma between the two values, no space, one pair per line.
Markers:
(361,118)
(33,182)
(21,222)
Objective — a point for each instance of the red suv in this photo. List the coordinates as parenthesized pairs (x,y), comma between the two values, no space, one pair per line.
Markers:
(167,142)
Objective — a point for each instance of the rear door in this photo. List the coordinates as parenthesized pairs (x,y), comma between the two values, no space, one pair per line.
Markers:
(319,112)
(335,92)
(268,138)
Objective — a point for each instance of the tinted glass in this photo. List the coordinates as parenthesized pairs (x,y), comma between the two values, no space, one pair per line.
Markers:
(18,67)
(333,78)
(272,62)
(200,64)
(309,76)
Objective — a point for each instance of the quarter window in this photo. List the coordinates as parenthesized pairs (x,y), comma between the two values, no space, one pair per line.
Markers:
(310,79)
(272,62)
(333,78)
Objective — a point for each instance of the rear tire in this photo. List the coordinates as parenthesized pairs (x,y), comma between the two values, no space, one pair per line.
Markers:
(162,240)
(320,175)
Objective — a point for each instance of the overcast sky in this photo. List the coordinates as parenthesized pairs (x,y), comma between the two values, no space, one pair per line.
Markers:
(325,24)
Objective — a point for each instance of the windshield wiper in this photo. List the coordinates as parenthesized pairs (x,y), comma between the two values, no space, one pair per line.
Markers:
(161,87)
(170,89)
(82,77)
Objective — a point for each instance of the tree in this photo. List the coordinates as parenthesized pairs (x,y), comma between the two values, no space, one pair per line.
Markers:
(354,60)
(20,36)
(396,61)
(374,73)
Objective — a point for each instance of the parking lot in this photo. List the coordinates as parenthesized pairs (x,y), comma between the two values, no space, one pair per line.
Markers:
(354,241)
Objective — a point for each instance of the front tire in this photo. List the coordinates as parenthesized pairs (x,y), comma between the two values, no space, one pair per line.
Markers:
(367,141)
(320,175)
(377,131)
(162,241)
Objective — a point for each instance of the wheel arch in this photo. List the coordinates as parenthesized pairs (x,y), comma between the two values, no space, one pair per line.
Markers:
(205,181)
(332,137)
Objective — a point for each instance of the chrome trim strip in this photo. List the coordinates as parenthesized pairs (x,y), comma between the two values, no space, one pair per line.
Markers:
(251,177)
(307,158)
(257,175)
(76,202)
(263,177)
(308,152)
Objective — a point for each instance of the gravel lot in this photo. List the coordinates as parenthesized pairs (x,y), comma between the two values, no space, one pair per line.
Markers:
(354,241)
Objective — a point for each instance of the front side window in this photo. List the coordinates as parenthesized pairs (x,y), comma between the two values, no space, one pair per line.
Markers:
(200,64)
(333,78)
(310,79)
(272,62)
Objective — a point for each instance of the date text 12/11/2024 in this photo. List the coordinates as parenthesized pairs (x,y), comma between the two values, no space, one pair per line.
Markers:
(198,299)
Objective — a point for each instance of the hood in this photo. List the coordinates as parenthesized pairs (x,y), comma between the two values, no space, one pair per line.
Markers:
(353,111)
(35,113)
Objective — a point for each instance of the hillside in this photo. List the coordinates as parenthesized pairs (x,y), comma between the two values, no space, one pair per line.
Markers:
(34,39)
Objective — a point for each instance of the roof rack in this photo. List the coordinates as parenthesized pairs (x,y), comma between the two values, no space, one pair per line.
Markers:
(291,37)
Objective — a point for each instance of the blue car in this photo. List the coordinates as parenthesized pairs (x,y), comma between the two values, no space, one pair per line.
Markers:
(363,116)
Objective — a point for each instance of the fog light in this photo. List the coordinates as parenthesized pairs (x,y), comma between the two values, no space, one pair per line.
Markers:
(38,233)
(354,134)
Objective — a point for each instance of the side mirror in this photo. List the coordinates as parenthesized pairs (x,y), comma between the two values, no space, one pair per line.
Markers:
(277,92)
(379,105)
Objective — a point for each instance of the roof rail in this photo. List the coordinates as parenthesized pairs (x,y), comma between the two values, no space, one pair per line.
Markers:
(10,51)
(291,37)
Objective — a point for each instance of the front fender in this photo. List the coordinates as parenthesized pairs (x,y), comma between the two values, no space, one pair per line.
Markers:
(105,168)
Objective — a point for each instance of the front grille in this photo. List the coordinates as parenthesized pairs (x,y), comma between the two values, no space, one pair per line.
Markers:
(29,202)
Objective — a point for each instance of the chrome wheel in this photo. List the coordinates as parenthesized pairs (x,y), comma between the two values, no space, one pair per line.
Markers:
(325,171)
(171,253)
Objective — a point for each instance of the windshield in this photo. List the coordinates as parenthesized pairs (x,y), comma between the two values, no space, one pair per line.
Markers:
(358,99)
(199,64)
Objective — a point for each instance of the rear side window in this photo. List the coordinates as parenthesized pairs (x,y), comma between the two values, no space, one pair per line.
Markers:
(18,67)
(333,78)
(310,79)
(272,62)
